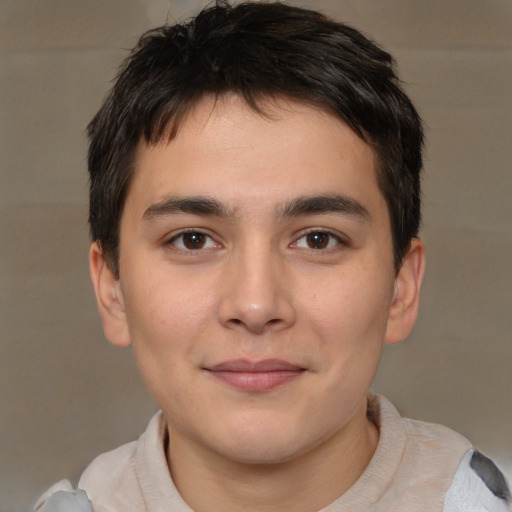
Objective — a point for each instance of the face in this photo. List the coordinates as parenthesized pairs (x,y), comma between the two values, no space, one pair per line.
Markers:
(256,279)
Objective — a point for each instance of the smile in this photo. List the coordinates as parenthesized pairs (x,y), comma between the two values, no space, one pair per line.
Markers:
(256,376)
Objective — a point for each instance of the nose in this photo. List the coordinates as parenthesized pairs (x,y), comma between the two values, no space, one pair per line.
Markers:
(257,293)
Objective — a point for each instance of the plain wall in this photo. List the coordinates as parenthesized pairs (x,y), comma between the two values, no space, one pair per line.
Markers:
(66,395)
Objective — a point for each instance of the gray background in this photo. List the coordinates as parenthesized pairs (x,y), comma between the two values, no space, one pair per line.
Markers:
(66,395)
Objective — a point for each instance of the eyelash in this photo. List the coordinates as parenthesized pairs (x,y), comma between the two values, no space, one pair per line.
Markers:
(212,244)
(331,236)
(182,234)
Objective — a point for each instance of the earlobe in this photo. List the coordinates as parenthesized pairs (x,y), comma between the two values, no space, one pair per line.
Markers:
(109,298)
(405,305)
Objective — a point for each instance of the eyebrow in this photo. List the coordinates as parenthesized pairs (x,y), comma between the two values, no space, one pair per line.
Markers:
(300,206)
(314,205)
(194,205)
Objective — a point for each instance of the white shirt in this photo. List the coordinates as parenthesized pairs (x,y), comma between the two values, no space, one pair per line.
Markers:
(417,466)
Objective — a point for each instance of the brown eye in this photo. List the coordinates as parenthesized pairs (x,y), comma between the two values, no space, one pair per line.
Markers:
(194,240)
(318,240)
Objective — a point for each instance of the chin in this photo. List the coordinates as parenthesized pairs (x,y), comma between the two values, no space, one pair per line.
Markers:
(262,453)
(259,442)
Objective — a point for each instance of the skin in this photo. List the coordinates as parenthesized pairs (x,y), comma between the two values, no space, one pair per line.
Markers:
(258,276)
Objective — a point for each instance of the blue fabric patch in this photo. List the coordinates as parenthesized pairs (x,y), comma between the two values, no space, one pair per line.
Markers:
(67,501)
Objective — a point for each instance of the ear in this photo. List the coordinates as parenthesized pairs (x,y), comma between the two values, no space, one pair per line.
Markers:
(109,298)
(404,308)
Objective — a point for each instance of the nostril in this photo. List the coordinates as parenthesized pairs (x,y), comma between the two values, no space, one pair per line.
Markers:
(254,325)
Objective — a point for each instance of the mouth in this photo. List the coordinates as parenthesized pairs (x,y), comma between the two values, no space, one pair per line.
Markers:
(255,376)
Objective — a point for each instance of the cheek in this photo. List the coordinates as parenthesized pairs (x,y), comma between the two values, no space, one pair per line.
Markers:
(166,304)
(350,309)
(349,319)
(167,320)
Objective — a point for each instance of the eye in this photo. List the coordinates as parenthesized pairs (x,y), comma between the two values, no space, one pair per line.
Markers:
(192,241)
(318,240)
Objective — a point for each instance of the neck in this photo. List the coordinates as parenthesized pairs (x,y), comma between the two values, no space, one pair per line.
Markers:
(208,481)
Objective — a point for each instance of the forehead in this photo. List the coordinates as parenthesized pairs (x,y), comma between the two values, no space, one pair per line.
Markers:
(224,148)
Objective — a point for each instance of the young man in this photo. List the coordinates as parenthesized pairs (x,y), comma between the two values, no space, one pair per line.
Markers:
(254,208)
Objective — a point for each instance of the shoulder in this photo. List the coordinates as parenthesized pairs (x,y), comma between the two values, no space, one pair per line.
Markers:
(423,445)
(113,480)
(110,475)
(435,465)
(110,482)
(110,471)
(435,443)
(478,486)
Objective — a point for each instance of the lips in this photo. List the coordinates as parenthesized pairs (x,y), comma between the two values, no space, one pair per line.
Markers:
(256,375)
